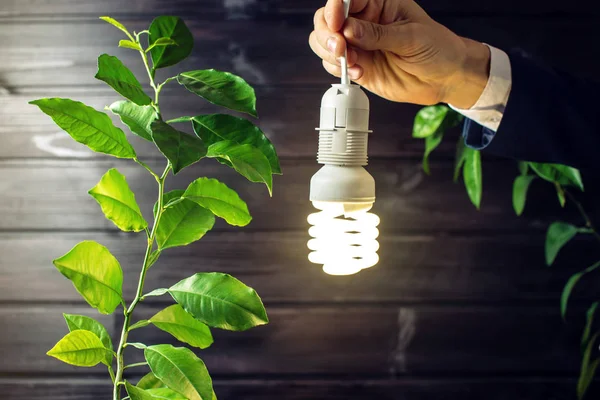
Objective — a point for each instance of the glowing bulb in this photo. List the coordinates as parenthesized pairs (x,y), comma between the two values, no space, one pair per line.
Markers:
(344,244)
(344,234)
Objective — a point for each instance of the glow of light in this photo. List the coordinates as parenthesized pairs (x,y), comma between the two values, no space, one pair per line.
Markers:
(344,244)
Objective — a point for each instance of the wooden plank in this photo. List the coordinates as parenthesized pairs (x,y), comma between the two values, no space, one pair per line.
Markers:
(243,9)
(326,389)
(424,269)
(53,195)
(377,342)
(288,117)
(264,53)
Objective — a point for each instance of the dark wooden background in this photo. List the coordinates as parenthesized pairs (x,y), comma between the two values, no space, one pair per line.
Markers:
(461,305)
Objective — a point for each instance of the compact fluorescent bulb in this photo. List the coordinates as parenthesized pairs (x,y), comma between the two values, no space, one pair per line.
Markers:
(344,234)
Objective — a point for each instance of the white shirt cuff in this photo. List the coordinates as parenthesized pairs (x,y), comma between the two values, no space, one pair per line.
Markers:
(489,109)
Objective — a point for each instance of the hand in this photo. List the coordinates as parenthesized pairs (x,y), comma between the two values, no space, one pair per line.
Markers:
(398,52)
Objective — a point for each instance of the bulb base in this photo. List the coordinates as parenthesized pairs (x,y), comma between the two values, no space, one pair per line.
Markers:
(352,186)
(344,127)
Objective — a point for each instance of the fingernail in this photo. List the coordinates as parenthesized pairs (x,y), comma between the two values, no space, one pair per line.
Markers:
(354,73)
(331,45)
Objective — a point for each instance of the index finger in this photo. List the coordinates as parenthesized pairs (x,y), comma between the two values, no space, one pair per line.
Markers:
(334,12)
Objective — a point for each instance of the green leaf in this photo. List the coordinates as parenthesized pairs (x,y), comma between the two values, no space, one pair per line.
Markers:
(137,118)
(128,44)
(246,159)
(118,202)
(181,370)
(431,143)
(95,273)
(429,120)
(87,126)
(473,177)
(220,301)
(78,322)
(561,195)
(520,188)
(166,393)
(153,258)
(140,324)
(589,322)
(137,393)
(181,149)
(221,200)
(221,88)
(523,167)
(452,119)
(558,173)
(214,128)
(588,369)
(176,321)
(81,348)
(183,223)
(558,234)
(459,159)
(112,71)
(173,28)
(118,25)
(568,289)
(162,42)
(150,381)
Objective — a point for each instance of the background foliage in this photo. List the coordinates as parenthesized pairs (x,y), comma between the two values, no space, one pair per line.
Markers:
(431,123)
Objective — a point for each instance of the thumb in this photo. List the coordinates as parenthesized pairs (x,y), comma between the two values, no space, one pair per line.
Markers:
(369,36)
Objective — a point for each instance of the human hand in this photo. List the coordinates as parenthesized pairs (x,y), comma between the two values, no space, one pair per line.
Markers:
(398,52)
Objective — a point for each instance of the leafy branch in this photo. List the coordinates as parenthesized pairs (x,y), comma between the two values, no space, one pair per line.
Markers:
(431,124)
(181,217)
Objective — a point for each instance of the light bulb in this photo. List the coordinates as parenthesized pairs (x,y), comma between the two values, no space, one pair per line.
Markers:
(343,242)
(344,234)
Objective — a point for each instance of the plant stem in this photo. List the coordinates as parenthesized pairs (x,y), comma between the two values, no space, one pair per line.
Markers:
(118,377)
(140,364)
(588,222)
(140,288)
(151,76)
(143,164)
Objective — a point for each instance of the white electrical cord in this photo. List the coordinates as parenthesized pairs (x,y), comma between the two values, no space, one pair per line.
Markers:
(344,59)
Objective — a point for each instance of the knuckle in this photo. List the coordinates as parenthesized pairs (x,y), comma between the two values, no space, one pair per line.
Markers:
(378,32)
(319,16)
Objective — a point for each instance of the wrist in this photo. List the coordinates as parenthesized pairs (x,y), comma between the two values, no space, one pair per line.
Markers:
(467,85)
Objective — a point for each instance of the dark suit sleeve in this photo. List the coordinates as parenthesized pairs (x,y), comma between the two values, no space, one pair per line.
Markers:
(550,117)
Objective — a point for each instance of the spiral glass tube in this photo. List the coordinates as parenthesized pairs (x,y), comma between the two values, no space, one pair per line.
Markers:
(344,243)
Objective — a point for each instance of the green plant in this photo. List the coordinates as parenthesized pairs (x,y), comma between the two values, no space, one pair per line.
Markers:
(204,300)
(431,123)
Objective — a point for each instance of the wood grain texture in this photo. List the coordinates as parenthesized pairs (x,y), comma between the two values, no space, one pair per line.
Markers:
(264,53)
(503,269)
(269,8)
(324,389)
(52,195)
(352,341)
(460,307)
